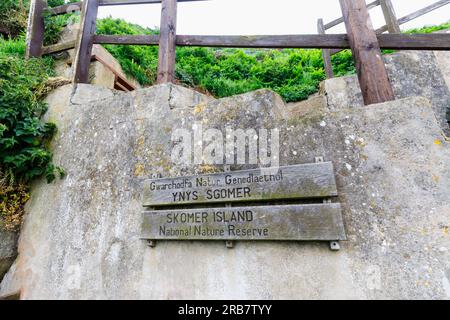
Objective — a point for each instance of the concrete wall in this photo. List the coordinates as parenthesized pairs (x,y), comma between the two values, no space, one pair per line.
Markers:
(412,73)
(81,237)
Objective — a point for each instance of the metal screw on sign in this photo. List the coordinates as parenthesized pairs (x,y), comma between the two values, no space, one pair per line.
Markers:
(229,244)
(335,246)
(318,159)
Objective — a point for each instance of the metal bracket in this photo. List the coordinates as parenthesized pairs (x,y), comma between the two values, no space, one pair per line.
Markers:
(151,243)
(229,244)
(335,246)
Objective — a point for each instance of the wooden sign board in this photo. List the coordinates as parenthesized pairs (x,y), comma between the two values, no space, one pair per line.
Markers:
(288,222)
(306,181)
(174,203)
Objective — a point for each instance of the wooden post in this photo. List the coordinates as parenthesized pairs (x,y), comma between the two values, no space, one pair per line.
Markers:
(85,41)
(167,41)
(36,28)
(372,74)
(326,53)
(390,16)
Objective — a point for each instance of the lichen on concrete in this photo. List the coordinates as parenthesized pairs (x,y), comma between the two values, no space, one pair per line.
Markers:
(414,73)
(81,237)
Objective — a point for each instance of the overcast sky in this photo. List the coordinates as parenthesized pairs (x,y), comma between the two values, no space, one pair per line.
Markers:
(252,17)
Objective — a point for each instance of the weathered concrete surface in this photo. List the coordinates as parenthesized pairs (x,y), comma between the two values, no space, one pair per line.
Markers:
(10,284)
(443,60)
(8,250)
(81,237)
(307,107)
(412,73)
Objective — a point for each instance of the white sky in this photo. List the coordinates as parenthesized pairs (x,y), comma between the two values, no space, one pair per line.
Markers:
(264,17)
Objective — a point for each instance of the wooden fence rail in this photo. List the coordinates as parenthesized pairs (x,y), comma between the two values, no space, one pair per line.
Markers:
(76,6)
(438,41)
(361,38)
(386,41)
(392,26)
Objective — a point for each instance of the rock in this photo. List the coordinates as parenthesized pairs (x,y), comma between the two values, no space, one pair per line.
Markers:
(413,73)
(342,93)
(81,236)
(8,251)
(10,286)
(307,107)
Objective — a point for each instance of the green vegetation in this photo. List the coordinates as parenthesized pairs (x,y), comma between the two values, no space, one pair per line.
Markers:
(293,73)
(138,61)
(54,25)
(13,16)
(24,154)
(430,29)
(23,136)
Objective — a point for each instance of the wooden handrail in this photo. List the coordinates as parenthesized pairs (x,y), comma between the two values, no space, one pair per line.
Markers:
(372,74)
(341,19)
(287,41)
(76,6)
(401,21)
(360,38)
(417,14)
(59,47)
(66,8)
(408,18)
(393,26)
(435,41)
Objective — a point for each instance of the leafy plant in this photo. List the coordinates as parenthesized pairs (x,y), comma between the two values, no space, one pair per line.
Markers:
(139,61)
(343,63)
(430,29)
(13,16)
(23,136)
(294,74)
(222,72)
(54,25)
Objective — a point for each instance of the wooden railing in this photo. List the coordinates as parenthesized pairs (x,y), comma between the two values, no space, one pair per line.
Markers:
(392,25)
(364,42)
